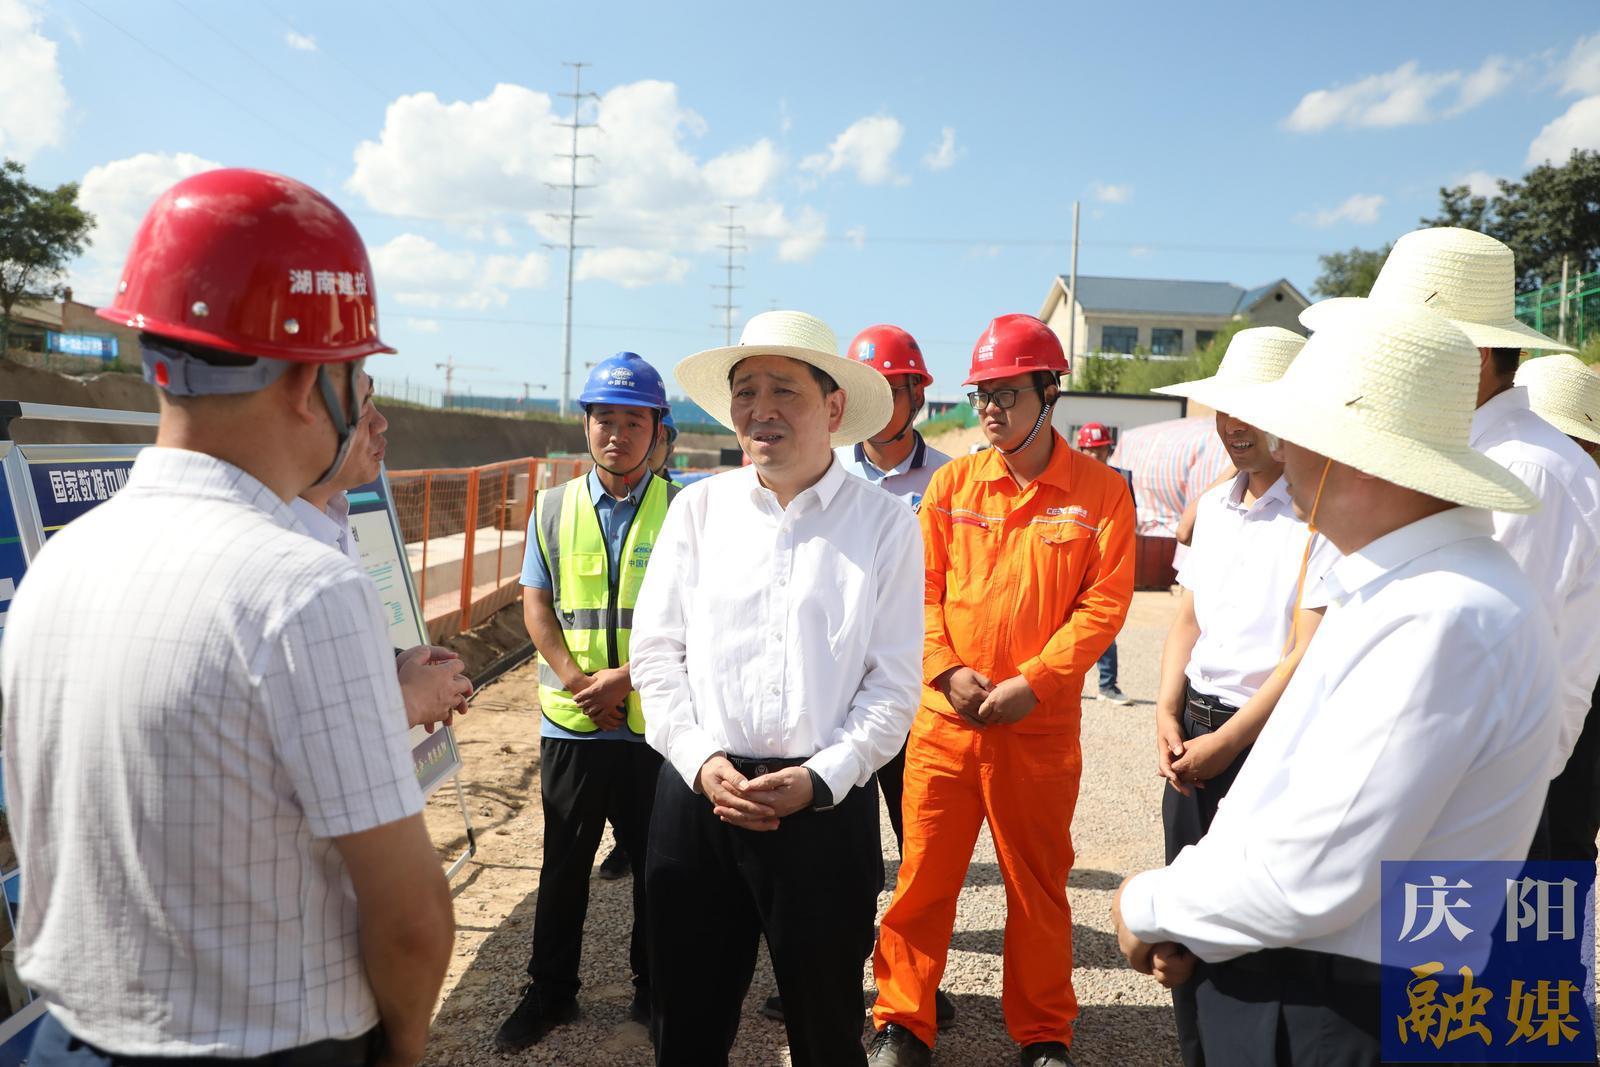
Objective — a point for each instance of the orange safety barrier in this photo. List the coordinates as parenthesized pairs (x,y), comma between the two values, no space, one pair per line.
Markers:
(450,517)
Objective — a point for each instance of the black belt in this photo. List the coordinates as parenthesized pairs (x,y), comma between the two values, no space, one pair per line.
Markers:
(1307,965)
(332,1052)
(1207,711)
(756,766)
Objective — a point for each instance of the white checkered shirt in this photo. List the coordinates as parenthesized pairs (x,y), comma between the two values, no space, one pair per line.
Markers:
(198,697)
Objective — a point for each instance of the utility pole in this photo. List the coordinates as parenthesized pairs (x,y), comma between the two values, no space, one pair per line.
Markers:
(727,307)
(1072,292)
(1561,331)
(577,96)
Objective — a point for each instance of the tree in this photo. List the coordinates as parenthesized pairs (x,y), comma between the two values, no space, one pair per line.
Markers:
(1349,273)
(41,231)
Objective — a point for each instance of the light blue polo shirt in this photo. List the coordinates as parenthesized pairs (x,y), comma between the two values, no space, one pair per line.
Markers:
(616,518)
(908,481)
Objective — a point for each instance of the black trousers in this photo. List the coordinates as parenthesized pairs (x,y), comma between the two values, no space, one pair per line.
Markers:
(1184,821)
(1571,818)
(892,781)
(582,785)
(1291,1008)
(54,1046)
(810,886)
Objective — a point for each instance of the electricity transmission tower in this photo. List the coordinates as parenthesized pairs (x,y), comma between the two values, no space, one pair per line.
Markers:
(571,217)
(728,307)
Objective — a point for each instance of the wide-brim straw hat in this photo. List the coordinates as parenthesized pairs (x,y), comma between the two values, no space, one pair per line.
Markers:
(1468,277)
(1389,390)
(868,401)
(1564,392)
(1254,357)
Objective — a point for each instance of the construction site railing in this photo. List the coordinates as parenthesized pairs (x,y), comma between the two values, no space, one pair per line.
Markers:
(466,530)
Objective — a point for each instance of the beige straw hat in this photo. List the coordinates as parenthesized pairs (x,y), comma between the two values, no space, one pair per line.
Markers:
(1564,392)
(1389,390)
(868,401)
(1254,357)
(1466,276)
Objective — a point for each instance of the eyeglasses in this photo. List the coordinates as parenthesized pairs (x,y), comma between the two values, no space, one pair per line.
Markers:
(1003,399)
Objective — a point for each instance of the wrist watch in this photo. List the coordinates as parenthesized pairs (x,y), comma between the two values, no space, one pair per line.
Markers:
(821,795)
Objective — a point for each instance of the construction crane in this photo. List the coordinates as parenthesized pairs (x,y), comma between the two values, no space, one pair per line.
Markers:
(450,366)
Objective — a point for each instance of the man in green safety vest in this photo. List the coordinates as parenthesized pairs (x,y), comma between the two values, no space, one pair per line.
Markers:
(589,542)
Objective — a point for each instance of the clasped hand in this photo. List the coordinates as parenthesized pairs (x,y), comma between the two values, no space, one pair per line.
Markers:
(754,803)
(984,703)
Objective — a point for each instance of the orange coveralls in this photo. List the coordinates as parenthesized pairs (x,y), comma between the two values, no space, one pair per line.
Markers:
(1036,582)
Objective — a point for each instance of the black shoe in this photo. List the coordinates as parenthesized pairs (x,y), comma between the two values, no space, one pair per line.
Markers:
(532,1019)
(944,1010)
(895,1046)
(615,865)
(639,1010)
(1045,1054)
(772,1008)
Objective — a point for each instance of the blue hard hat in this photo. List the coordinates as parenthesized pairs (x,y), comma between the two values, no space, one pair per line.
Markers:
(672,427)
(624,379)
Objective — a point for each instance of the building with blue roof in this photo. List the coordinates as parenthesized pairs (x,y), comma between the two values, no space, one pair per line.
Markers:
(1167,318)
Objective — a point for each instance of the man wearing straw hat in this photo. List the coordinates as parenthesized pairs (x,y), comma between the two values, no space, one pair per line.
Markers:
(1469,278)
(1029,560)
(1241,628)
(777,648)
(1565,393)
(1419,725)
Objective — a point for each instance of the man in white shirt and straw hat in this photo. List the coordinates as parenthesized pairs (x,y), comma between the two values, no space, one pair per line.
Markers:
(778,649)
(1242,627)
(1470,279)
(1419,725)
(1565,393)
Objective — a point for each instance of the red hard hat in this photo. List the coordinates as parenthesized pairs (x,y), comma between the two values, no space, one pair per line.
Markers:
(892,351)
(253,263)
(1016,344)
(1093,435)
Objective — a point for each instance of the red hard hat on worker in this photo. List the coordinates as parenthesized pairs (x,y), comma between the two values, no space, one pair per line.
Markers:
(252,263)
(1016,344)
(1093,435)
(893,351)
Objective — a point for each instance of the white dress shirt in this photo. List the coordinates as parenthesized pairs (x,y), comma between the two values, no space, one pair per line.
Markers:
(1243,567)
(199,698)
(782,632)
(1558,546)
(331,527)
(1418,727)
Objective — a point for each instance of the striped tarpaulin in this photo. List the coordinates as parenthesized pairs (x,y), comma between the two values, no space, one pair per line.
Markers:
(1172,463)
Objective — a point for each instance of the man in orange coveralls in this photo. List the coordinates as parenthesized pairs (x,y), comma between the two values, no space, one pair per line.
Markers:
(1030,561)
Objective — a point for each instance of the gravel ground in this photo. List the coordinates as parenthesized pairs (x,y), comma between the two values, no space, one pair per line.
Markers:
(1125,1017)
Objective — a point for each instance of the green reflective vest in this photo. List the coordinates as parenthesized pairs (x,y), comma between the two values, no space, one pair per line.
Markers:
(593,606)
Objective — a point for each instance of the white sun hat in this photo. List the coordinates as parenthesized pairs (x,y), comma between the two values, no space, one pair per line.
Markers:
(1389,390)
(1466,276)
(1254,357)
(868,400)
(1564,392)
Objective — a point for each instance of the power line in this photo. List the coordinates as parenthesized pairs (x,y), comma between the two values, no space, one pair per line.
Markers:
(728,307)
(577,96)
(379,92)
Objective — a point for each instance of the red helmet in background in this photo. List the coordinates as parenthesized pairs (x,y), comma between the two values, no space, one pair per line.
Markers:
(1016,344)
(893,351)
(1093,435)
(252,263)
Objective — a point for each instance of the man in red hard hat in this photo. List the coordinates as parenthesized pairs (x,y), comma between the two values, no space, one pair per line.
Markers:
(1095,441)
(206,761)
(1030,560)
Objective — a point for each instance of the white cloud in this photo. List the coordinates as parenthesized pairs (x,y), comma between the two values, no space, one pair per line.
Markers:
(867,148)
(1578,128)
(300,42)
(943,155)
(1404,96)
(118,194)
(414,271)
(857,235)
(983,252)
(1479,183)
(631,268)
(1139,251)
(484,164)
(422,325)
(33,99)
(1579,73)
(1111,194)
(1360,209)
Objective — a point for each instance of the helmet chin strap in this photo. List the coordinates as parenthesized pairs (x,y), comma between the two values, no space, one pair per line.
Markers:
(905,428)
(629,472)
(1038,424)
(344,422)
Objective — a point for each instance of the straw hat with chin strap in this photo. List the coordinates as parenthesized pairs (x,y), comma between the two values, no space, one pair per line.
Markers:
(1389,390)
(1254,357)
(1466,276)
(1564,392)
(868,401)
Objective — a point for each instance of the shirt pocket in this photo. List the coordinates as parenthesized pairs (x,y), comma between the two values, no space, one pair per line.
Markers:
(1060,550)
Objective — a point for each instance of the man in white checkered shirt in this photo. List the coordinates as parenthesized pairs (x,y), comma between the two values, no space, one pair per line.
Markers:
(206,761)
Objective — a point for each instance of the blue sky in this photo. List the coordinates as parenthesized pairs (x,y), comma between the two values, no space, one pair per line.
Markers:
(906,163)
